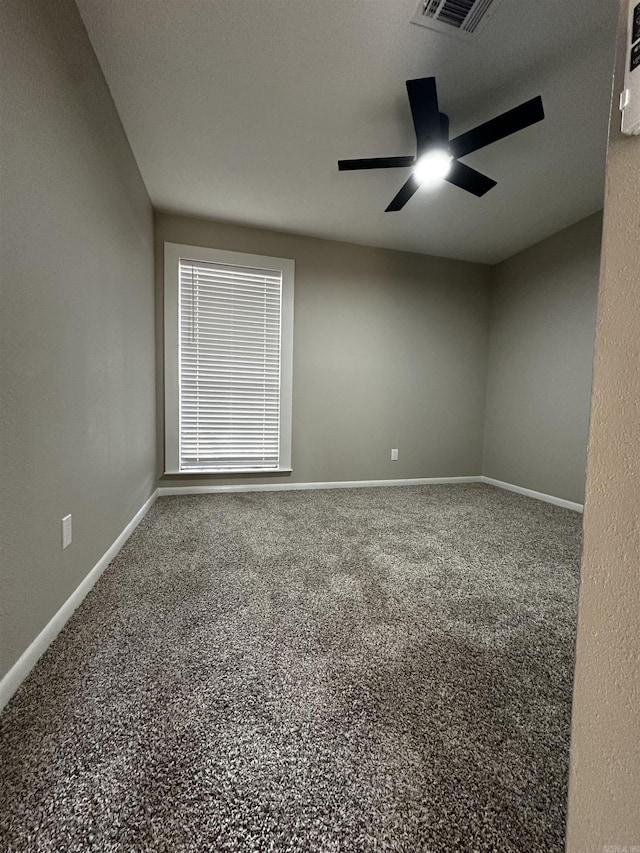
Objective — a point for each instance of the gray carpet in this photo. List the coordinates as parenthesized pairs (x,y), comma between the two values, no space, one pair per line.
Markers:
(350,670)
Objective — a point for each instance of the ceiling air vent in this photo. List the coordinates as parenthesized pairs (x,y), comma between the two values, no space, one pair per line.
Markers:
(464,18)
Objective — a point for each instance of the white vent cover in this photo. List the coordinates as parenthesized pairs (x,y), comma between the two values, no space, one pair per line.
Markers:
(464,18)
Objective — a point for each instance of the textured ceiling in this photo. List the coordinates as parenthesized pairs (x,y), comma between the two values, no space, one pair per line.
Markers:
(239,110)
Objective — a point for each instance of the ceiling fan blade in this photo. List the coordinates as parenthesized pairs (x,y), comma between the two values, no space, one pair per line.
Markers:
(497,128)
(468,179)
(375,163)
(423,100)
(403,196)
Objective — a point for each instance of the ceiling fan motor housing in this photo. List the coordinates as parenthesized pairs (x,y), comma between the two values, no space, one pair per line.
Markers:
(444,127)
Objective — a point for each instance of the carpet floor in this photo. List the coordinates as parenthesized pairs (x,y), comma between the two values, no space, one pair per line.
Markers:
(383,669)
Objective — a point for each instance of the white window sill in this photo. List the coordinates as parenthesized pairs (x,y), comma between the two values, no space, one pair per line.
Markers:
(228,471)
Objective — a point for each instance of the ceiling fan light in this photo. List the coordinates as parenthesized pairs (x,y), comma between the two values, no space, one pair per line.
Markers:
(432,167)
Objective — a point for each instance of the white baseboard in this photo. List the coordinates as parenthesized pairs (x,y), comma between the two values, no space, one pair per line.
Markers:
(25,663)
(540,496)
(359,484)
(289,487)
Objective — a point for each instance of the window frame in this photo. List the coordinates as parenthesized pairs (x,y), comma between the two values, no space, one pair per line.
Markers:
(173,254)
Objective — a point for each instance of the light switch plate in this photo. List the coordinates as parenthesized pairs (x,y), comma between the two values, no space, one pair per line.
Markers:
(66,531)
(630,96)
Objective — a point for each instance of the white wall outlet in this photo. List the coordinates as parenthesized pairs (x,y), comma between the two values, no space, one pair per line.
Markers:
(394,455)
(66,531)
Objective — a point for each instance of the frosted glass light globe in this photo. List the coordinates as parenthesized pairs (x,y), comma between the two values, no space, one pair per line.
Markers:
(432,167)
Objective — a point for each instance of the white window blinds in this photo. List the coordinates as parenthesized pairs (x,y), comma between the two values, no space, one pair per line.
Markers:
(229,366)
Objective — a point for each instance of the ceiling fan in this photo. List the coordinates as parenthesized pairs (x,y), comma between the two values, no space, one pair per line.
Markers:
(437,156)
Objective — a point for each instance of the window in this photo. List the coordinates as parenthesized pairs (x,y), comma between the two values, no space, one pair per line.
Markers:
(228,361)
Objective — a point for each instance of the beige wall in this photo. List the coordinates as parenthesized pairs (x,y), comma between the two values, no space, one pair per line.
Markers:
(604,788)
(543,315)
(77,431)
(389,351)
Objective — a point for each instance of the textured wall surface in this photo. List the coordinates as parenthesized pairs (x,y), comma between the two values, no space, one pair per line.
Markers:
(604,793)
(389,351)
(77,432)
(543,316)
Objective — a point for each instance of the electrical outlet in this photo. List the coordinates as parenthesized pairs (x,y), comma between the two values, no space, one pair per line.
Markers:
(66,532)
(394,455)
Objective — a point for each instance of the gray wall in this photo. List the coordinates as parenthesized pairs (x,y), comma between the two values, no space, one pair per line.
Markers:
(77,431)
(604,782)
(543,314)
(389,351)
